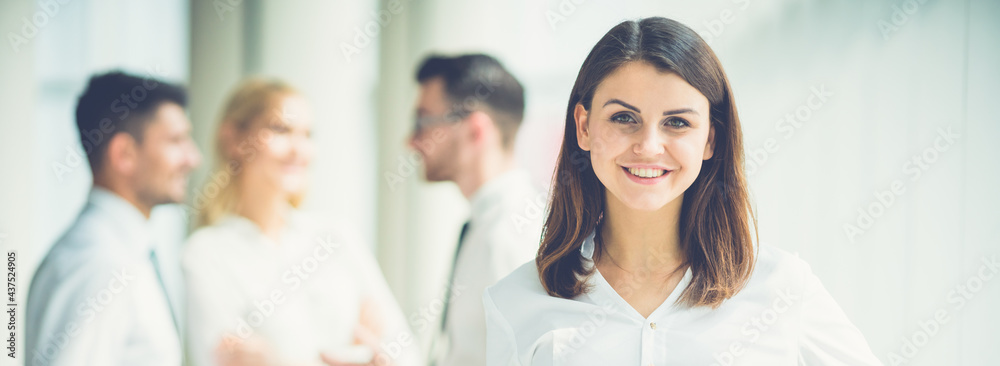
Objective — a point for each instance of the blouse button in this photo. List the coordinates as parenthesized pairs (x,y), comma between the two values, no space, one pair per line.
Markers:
(652,326)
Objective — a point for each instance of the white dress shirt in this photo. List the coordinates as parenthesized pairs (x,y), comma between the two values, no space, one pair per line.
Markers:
(97,299)
(504,231)
(783,316)
(303,296)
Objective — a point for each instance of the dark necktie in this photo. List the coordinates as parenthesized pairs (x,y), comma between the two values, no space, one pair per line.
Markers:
(451,278)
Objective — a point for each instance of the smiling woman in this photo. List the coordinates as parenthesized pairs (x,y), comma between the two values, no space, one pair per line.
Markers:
(648,254)
(269,283)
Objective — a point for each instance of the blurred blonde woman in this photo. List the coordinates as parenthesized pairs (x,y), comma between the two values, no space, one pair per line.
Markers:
(268,285)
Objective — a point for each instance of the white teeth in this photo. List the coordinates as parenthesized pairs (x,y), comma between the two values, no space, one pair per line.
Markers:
(646,173)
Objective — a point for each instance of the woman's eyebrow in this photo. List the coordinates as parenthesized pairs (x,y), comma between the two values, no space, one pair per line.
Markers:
(634,108)
(680,111)
(623,104)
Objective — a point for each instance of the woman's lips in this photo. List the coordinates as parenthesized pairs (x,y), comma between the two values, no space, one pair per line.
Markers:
(646,175)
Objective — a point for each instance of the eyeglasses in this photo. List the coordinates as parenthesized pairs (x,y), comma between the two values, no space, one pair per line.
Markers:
(423,122)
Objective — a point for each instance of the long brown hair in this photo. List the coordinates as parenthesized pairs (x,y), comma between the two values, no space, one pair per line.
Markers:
(716,215)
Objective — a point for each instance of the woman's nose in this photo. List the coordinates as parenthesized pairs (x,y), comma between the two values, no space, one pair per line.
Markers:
(650,142)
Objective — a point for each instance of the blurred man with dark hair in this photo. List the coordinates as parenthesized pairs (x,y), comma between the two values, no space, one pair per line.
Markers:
(98,298)
(468,113)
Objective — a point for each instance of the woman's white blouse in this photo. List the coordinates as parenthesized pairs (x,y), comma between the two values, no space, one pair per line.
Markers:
(303,297)
(783,316)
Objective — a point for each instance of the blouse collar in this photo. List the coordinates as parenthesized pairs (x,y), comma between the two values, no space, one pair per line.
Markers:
(587,248)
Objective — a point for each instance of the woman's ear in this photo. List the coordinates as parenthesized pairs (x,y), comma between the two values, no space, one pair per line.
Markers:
(581,115)
(710,144)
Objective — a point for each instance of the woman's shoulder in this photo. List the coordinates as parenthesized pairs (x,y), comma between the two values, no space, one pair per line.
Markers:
(777,271)
(214,234)
(773,259)
(224,240)
(520,290)
(522,282)
(523,303)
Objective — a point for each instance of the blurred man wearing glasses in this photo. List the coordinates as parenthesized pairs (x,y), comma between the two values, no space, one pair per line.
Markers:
(468,113)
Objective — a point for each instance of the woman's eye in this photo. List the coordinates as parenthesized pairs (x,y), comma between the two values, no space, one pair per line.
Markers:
(279,128)
(622,118)
(676,122)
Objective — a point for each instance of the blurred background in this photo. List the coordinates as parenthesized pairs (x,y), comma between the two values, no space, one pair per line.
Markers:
(870,138)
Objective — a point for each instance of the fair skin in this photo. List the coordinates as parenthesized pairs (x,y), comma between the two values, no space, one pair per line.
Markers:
(648,132)
(469,152)
(274,155)
(152,170)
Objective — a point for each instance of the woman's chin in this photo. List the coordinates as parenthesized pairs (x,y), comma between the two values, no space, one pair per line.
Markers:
(648,202)
(646,206)
(293,187)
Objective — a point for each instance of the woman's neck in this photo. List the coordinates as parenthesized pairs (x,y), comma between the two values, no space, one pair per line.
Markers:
(636,240)
(640,255)
(263,206)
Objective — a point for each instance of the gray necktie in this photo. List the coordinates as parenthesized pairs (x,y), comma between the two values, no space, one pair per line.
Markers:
(166,294)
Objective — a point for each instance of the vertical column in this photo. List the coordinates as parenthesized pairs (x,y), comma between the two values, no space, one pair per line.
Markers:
(217,64)
(18,168)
